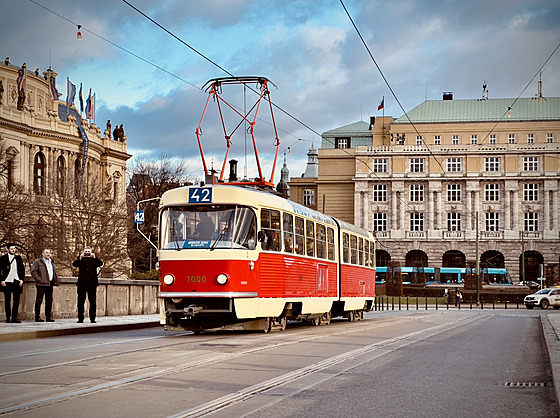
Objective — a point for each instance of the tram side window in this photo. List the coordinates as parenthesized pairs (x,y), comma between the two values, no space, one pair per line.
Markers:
(372,253)
(300,236)
(310,237)
(321,241)
(366,252)
(361,251)
(270,224)
(288,233)
(330,243)
(346,247)
(353,249)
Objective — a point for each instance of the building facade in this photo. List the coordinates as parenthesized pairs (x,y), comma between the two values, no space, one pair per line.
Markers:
(454,179)
(43,143)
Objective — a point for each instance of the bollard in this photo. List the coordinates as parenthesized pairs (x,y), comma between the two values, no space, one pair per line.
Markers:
(392,303)
(481,305)
(459,305)
(505,305)
(471,304)
(416,302)
(493,305)
(407,303)
(426,301)
(517,303)
(448,303)
(436,303)
(399,303)
(387,302)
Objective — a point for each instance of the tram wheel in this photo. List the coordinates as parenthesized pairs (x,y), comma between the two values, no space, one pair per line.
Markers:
(351,316)
(316,321)
(268,326)
(283,322)
(327,318)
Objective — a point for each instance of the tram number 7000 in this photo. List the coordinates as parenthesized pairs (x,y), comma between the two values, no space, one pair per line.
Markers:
(200,195)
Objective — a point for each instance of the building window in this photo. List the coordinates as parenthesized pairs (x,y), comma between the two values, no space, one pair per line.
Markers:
(492,139)
(419,140)
(380,165)
(530,163)
(77,173)
(454,164)
(10,173)
(416,192)
(379,221)
(39,174)
(416,221)
(342,143)
(492,164)
(455,140)
(531,221)
(530,138)
(492,221)
(492,192)
(453,221)
(308,197)
(531,192)
(60,175)
(379,192)
(474,139)
(453,192)
(549,138)
(437,140)
(511,139)
(417,165)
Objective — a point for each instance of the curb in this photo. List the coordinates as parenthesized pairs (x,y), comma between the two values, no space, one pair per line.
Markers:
(88,329)
(552,342)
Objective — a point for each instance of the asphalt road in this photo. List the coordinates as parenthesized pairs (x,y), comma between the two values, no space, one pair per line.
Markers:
(437,363)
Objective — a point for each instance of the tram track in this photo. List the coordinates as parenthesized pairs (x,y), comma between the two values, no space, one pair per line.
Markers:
(247,346)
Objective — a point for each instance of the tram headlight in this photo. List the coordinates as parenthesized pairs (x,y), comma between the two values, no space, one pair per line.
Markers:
(168,279)
(222,278)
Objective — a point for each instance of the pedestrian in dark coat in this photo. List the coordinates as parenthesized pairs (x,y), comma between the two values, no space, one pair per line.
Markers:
(43,271)
(87,264)
(12,275)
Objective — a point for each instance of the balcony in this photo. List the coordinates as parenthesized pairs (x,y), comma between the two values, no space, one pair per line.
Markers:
(491,234)
(416,234)
(452,234)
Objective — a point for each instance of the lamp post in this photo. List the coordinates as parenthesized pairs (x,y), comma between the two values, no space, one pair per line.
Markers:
(477,263)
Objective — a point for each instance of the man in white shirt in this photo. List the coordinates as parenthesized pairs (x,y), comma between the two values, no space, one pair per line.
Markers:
(43,271)
(12,275)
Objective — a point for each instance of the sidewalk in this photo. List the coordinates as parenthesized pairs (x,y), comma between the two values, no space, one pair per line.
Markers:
(70,326)
(551,330)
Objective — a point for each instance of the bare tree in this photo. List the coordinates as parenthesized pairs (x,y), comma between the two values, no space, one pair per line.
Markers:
(147,179)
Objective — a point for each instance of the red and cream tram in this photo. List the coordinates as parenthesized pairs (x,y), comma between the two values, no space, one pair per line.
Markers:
(239,258)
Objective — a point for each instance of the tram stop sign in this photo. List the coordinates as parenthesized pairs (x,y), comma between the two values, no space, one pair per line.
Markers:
(139,217)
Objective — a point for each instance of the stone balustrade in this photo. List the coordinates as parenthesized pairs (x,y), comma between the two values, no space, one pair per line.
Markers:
(114,297)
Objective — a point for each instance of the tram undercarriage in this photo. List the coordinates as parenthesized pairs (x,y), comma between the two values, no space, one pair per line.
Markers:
(219,314)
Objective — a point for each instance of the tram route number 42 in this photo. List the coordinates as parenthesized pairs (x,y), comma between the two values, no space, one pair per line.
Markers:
(200,195)
(139,217)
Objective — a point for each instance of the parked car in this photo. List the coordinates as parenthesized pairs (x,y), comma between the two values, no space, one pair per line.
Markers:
(544,298)
(530,285)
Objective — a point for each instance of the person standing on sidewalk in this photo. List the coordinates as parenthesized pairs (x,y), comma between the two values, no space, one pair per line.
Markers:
(87,264)
(43,271)
(12,275)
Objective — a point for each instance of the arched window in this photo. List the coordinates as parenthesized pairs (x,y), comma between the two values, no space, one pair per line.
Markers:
(77,172)
(60,175)
(39,174)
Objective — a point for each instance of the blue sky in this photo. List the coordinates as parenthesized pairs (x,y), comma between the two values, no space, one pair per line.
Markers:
(308,49)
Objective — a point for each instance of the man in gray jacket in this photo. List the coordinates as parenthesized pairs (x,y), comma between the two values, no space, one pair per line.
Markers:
(43,271)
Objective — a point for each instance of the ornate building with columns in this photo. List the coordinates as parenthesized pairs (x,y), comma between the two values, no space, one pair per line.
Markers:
(451,175)
(44,143)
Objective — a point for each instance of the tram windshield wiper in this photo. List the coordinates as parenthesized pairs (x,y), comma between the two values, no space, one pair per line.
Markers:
(174,236)
(217,240)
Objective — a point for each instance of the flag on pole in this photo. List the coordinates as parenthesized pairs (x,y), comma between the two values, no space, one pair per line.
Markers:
(92,108)
(381,104)
(70,92)
(88,105)
(81,100)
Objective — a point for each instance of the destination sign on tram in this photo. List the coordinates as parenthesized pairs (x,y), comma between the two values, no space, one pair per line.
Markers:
(200,195)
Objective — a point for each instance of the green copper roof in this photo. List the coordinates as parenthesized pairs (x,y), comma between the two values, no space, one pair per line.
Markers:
(491,110)
(354,129)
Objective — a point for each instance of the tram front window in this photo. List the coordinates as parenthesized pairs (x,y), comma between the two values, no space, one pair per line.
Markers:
(211,227)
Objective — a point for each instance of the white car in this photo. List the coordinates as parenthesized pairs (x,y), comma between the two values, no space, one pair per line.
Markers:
(544,298)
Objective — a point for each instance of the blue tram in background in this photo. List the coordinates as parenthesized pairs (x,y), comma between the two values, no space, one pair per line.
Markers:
(445,275)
